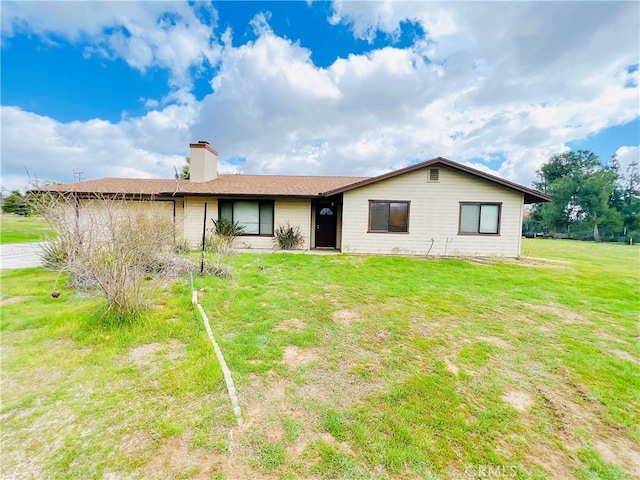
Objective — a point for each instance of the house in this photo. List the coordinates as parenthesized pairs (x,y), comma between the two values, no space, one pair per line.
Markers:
(437,207)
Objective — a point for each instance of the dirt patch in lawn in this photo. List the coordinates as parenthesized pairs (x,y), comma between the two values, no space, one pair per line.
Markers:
(522,261)
(518,399)
(273,401)
(147,355)
(496,341)
(610,440)
(176,460)
(291,324)
(296,356)
(262,396)
(452,367)
(555,461)
(345,317)
(567,316)
(625,356)
(23,453)
(12,300)
(136,444)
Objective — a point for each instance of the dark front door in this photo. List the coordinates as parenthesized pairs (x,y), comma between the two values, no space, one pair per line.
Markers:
(326,221)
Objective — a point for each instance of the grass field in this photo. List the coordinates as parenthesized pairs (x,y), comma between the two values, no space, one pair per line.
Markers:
(18,229)
(346,367)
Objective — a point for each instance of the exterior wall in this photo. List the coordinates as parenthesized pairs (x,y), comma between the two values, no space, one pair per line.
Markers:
(312,239)
(95,218)
(295,211)
(298,213)
(434,214)
(193,218)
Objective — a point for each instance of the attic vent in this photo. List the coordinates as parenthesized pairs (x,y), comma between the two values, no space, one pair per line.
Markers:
(434,174)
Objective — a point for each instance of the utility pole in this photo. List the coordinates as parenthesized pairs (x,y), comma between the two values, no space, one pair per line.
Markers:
(77,176)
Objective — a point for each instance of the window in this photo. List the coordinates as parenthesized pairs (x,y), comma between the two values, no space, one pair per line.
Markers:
(255,217)
(326,211)
(480,218)
(388,216)
(434,174)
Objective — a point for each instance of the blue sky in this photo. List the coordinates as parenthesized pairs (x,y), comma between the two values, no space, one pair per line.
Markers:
(120,88)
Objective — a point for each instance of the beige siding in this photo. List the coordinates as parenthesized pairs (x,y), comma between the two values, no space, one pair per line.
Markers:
(312,240)
(296,212)
(96,218)
(433,217)
(194,218)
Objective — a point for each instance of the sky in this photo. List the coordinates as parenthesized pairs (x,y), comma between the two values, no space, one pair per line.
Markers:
(119,89)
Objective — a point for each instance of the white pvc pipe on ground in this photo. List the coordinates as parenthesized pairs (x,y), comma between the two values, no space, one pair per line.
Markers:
(231,388)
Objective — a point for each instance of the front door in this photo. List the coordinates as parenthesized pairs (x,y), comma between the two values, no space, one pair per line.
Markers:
(326,222)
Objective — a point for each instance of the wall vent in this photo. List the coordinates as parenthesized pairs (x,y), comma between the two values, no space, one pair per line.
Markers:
(434,174)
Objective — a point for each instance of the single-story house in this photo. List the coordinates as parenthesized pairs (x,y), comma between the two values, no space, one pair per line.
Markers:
(437,207)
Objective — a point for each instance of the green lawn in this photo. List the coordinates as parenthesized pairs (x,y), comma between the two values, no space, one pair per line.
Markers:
(346,367)
(18,229)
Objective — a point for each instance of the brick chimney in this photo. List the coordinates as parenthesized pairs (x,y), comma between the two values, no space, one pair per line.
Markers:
(204,162)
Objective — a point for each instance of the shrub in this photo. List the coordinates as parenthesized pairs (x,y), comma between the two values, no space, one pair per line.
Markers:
(118,245)
(181,246)
(224,234)
(219,244)
(170,265)
(54,254)
(287,237)
(225,228)
(216,267)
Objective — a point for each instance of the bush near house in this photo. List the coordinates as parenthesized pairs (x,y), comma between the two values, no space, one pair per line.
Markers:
(122,250)
(286,237)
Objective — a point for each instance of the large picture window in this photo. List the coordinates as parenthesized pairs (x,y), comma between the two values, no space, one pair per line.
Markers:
(386,216)
(255,217)
(480,218)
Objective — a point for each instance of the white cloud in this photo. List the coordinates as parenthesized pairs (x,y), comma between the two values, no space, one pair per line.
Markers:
(393,106)
(150,102)
(146,147)
(170,35)
(370,19)
(627,155)
(517,85)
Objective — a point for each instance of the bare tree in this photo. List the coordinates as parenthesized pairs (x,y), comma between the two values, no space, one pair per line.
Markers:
(119,243)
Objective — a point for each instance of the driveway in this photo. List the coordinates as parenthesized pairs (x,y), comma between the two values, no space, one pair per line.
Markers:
(20,255)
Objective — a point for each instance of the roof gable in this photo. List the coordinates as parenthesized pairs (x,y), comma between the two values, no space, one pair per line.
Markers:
(530,195)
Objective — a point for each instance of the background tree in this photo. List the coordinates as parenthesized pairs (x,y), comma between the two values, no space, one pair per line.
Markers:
(16,203)
(185,174)
(584,194)
(628,199)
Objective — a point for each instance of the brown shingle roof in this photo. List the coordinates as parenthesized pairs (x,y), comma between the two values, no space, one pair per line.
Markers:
(252,185)
(272,185)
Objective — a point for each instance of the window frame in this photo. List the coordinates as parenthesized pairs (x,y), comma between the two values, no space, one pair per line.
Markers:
(407,202)
(260,203)
(478,232)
